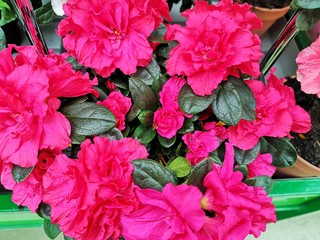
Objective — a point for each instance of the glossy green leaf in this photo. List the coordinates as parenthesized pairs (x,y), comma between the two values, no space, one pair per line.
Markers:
(7,12)
(244,157)
(191,103)
(151,174)
(142,95)
(198,173)
(146,118)
(165,142)
(20,173)
(45,14)
(158,34)
(114,134)
(261,181)
(187,127)
(3,41)
(306,4)
(282,151)
(133,113)
(243,169)
(44,210)
(51,230)
(89,118)
(181,166)
(144,134)
(307,19)
(147,74)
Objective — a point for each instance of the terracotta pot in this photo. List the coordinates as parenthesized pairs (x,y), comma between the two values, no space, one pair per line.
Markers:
(268,17)
(301,168)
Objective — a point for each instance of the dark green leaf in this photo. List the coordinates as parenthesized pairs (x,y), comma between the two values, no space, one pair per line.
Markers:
(246,96)
(74,63)
(151,174)
(244,157)
(164,49)
(306,4)
(158,84)
(187,127)
(45,14)
(146,118)
(133,113)
(142,95)
(51,230)
(307,19)
(227,104)
(165,142)
(147,74)
(44,210)
(3,42)
(261,181)
(89,118)
(77,139)
(7,12)
(243,169)
(158,34)
(180,166)
(114,134)
(283,153)
(144,134)
(19,173)
(190,103)
(198,173)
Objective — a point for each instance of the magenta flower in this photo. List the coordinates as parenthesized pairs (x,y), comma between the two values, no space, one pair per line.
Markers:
(89,195)
(262,165)
(174,214)
(308,61)
(209,48)
(276,114)
(107,35)
(119,105)
(239,209)
(200,145)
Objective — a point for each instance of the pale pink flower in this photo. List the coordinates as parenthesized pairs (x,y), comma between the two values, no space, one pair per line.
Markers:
(308,73)
(167,121)
(106,35)
(174,214)
(200,144)
(262,165)
(239,209)
(276,114)
(209,48)
(29,192)
(119,105)
(89,195)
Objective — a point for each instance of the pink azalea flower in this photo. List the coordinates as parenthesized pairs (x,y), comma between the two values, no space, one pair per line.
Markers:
(167,121)
(174,214)
(29,87)
(89,195)
(221,131)
(107,35)
(200,145)
(239,209)
(29,192)
(170,92)
(308,61)
(276,114)
(119,105)
(209,48)
(261,166)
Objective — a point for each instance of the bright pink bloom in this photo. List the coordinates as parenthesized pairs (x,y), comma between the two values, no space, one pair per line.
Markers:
(276,114)
(167,121)
(89,195)
(209,48)
(174,214)
(170,92)
(200,145)
(239,208)
(308,74)
(29,192)
(220,130)
(119,105)
(106,35)
(261,166)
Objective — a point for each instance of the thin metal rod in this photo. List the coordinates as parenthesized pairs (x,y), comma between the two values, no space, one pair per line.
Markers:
(279,45)
(27,17)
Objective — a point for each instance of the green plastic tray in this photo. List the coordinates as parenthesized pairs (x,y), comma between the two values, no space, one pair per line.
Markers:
(292,197)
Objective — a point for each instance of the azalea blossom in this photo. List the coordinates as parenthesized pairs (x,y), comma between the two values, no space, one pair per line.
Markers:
(239,209)
(262,165)
(89,195)
(308,62)
(209,48)
(174,214)
(276,114)
(109,34)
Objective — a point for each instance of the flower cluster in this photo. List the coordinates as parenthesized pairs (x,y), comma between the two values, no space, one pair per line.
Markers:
(159,134)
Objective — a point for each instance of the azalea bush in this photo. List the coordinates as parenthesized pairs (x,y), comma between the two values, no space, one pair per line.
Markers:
(145,129)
